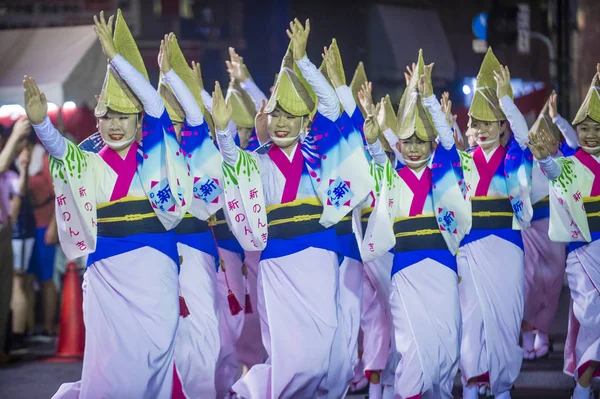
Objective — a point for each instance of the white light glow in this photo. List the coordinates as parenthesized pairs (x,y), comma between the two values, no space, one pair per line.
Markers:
(466,90)
(52,107)
(12,110)
(69,105)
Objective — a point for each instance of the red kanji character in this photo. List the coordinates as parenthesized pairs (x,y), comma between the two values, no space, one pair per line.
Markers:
(73,233)
(256,208)
(253,193)
(81,246)
(88,206)
(261,224)
(247,230)
(240,217)
(61,200)
(66,216)
(82,192)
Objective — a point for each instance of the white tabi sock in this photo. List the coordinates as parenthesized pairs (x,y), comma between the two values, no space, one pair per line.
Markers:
(471,392)
(541,339)
(580,392)
(375,391)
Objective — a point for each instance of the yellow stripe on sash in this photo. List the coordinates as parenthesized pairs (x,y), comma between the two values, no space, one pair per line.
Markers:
(424,232)
(127,218)
(124,199)
(295,219)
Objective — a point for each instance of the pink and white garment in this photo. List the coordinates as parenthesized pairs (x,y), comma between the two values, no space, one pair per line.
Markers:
(250,349)
(574,209)
(230,326)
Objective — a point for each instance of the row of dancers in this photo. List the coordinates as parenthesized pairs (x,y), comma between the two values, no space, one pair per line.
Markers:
(331,215)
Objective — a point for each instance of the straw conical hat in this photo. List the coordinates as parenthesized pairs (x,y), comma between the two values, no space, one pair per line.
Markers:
(243,109)
(115,93)
(485,105)
(591,104)
(413,117)
(544,122)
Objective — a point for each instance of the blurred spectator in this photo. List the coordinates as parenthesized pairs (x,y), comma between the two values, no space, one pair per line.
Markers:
(46,235)
(9,202)
(9,208)
(22,244)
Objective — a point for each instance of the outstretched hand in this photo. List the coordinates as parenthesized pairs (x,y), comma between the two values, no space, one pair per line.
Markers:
(164,54)
(539,144)
(365,97)
(298,34)
(221,110)
(104,32)
(502,79)
(197,75)
(36,105)
(371,127)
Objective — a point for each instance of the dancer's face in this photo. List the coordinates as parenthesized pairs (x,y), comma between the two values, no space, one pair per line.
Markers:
(284,128)
(487,134)
(117,129)
(415,151)
(588,134)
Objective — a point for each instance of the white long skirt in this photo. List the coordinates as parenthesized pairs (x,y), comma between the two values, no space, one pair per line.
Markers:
(426,315)
(230,326)
(131,311)
(583,337)
(297,303)
(376,318)
(250,350)
(349,310)
(544,275)
(197,342)
(491,300)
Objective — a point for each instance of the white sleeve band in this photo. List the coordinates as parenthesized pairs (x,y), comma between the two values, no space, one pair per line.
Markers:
(227,146)
(439,121)
(254,92)
(329,105)
(377,153)
(193,114)
(550,167)
(569,133)
(148,96)
(55,143)
(206,100)
(344,93)
(517,121)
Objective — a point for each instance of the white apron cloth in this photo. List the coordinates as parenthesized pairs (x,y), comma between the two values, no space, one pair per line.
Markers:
(230,326)
(583,337)
(427,336)
(544,275)
(297,303)
(197,341)
(250,350)
(131,311)
(492,312)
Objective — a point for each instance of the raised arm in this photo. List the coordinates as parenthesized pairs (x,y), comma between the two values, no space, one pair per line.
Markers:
(438,116)
(193,113)
(149,97)
(36,107)
(564,126)
(517,121)
(328,101)
(222,115)
(372,129)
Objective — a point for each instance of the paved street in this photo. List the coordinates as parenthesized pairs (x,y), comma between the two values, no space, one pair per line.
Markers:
(37,375)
